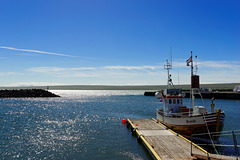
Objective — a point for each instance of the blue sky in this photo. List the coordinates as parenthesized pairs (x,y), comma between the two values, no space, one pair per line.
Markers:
(112,42)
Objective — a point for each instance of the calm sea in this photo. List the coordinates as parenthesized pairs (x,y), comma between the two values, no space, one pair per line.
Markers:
(83,125)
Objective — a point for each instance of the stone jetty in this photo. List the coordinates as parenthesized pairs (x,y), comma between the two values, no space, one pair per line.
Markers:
(25,93)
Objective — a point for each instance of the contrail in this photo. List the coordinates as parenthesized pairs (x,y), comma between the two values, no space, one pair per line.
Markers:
(36,51)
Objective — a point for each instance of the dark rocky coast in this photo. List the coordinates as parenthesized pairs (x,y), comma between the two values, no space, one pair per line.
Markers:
(24,93)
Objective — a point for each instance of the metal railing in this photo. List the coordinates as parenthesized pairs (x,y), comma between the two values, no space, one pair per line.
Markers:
(222,143)
(181,114)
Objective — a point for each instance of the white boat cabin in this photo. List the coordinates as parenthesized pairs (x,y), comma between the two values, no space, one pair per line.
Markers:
(173,104)
(172,100)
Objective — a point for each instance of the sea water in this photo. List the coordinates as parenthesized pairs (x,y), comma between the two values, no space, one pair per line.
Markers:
(82,124)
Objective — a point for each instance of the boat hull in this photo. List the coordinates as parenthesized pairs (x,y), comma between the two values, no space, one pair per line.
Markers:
(195,124)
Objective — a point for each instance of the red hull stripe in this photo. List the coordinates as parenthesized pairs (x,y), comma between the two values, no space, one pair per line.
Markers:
(193,124)
(210,120)
(207,117)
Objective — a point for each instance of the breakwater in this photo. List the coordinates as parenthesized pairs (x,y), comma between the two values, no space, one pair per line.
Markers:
(208,95)
(216,95)
(149,93)
(24,93)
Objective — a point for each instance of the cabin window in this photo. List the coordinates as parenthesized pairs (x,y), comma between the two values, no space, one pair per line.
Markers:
(181,101)
(177,101)
(170,101)
(174,101)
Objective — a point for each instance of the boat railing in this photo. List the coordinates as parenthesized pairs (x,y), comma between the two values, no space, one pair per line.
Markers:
(227,142)
(179,114)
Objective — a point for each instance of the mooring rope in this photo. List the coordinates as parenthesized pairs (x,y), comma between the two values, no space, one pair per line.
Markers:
(207,126)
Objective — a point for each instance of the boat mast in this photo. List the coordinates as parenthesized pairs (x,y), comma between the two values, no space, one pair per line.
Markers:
(194,80)
(192,90)
(168,66)
(191,66)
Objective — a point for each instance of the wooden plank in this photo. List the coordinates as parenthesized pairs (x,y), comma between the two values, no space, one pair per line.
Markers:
(171,147)
(146,124)
(155,133)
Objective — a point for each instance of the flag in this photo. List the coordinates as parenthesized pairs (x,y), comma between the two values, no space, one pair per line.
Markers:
(189,60)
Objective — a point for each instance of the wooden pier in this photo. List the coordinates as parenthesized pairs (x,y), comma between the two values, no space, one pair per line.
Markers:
(163,143)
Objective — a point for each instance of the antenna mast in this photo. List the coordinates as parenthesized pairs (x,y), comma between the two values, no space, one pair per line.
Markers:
(168,66)
(171,55)
(194,79)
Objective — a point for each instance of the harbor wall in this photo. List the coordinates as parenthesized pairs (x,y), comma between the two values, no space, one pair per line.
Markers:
(222,86)
(207,95)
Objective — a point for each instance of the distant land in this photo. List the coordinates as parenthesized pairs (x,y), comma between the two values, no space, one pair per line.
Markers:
(223,86)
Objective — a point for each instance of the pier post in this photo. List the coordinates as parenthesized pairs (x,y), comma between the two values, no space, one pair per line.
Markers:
(235,145)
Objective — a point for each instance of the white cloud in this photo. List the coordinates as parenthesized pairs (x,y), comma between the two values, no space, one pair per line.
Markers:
(116,71)
(212,64)
(210,72)
(66,72)
(33,84)
(8,73)
(36,51)
(133,67)
(220,64)
(229,67)
(58,69)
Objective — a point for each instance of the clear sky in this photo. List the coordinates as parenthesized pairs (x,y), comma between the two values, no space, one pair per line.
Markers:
(117,42)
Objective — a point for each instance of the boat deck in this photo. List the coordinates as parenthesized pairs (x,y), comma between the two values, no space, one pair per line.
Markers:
(163,143)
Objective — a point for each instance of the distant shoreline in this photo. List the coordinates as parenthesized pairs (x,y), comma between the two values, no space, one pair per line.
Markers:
(220,86)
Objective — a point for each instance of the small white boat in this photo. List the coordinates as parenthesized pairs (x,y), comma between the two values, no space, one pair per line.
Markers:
(187,120)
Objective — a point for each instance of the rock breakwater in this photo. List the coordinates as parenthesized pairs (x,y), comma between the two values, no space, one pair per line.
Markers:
(24,93)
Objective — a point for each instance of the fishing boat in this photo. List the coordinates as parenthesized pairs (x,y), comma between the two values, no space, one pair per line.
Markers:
(187,120)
